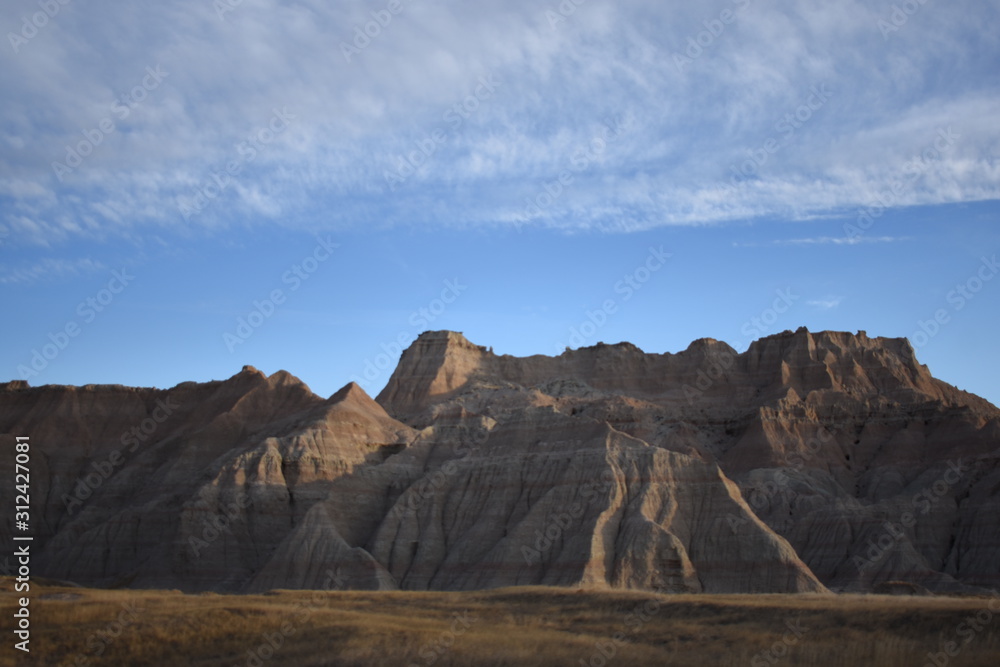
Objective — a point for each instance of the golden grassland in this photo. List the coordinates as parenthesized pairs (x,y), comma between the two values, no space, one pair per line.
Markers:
(516,626)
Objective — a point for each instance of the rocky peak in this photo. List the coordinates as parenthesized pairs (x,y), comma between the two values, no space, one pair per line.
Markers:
(350,392)
(842,362)
(351,396)
(14,385)
(439,363)
(435,364)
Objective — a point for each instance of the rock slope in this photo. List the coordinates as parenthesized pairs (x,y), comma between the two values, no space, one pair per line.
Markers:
(190,487)
(812,461)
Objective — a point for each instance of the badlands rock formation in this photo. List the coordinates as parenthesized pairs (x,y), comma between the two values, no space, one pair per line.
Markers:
(811,461)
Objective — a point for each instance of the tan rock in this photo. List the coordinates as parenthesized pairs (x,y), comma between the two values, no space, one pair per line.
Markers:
(810,460)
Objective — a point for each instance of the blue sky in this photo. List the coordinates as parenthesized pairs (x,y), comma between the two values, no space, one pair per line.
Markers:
(535,175)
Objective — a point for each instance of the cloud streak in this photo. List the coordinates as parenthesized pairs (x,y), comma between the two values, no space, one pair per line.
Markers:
(49,268)
(827,303)
(825,240)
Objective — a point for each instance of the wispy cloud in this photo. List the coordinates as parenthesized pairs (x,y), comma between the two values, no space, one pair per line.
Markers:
(824,240)
(357,119)
(49,269)
(827,303)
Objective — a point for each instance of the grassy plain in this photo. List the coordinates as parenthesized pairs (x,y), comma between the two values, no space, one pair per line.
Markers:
(530,626)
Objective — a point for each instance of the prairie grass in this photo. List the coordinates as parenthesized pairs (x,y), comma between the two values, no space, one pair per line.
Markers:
(531,626)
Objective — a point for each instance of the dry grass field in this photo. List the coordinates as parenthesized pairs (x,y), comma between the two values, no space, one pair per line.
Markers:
(522,627)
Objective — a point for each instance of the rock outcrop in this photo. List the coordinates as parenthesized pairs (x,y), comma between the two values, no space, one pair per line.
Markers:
(190,487)
(810,461)
(845,445)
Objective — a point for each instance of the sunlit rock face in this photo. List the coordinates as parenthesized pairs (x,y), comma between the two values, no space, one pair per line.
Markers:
(811,461)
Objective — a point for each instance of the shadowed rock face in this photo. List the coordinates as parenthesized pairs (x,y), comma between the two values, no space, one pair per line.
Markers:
(808,461)
(190,487)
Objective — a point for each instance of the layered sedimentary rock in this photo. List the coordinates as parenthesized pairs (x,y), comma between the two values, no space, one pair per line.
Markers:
(542,499)
(843,444)
(810,461)
(190,487)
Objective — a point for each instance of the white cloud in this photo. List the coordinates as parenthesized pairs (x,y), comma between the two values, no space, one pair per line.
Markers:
(825,240)
(47,269)
(827,303)
(690,128)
